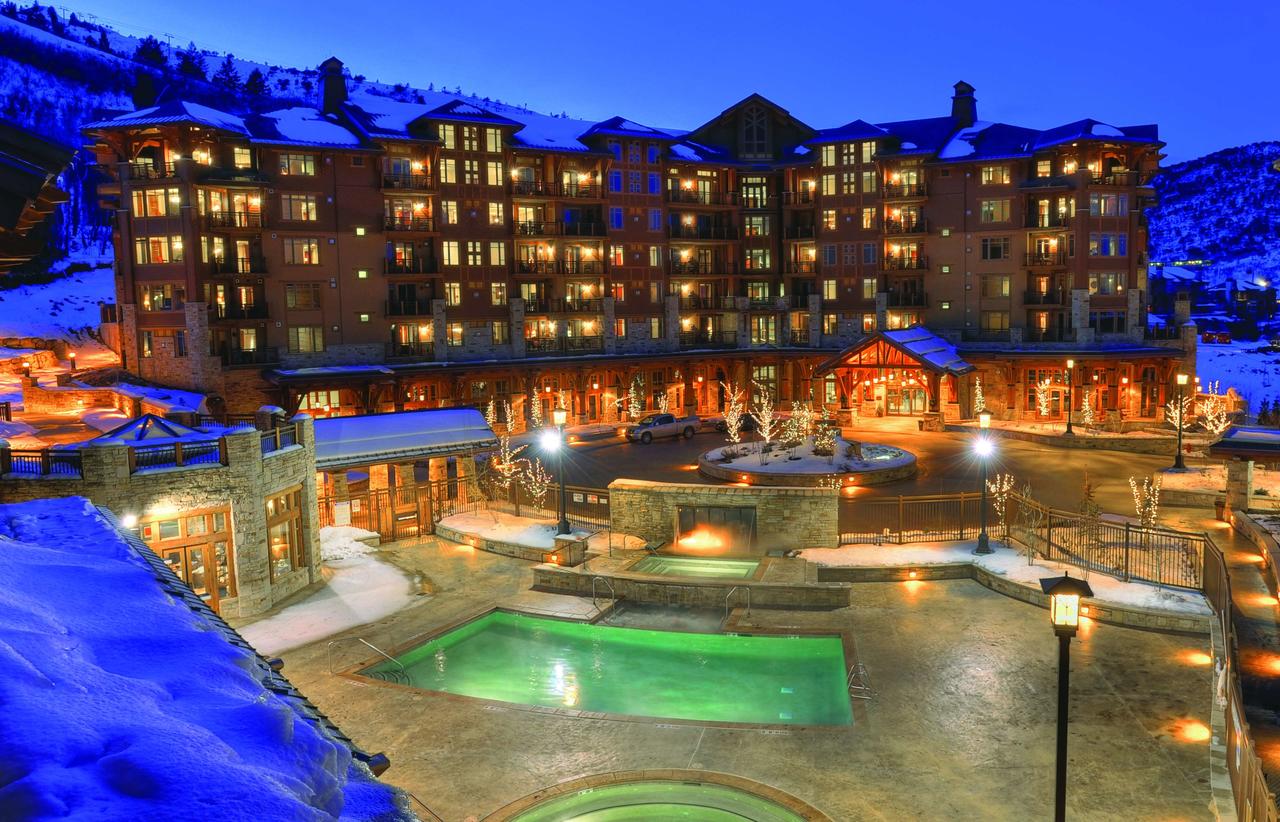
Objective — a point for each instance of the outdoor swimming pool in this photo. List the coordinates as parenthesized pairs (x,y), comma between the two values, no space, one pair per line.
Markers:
(529,660)
(655,799)
(697,567)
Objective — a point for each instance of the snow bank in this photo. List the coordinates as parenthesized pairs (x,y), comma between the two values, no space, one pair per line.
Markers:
(874,458)
(121,702)
(66,308)
(345,542)
(361,590)
(1012,564)
(499,527)
(1252,369)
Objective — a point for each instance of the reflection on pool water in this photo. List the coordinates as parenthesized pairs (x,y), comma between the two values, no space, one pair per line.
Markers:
(658,800)
(553,663)
(697,567)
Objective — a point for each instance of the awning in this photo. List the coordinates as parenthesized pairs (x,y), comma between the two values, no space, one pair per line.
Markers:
(1248,442)
(914,347)
(371,439)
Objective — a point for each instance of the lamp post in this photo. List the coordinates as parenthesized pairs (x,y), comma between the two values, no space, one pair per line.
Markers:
(559,417)
(1071,366)
(1178,464)
(983,448)
(1064,612)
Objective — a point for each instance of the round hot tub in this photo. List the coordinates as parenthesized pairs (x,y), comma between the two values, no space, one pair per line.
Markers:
(646,796)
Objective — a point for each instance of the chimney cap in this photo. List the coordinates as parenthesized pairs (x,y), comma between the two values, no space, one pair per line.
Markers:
(963,88)
(332,62)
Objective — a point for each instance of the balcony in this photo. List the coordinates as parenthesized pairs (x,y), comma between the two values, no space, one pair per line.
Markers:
(695,267)
(1047,335)
(408,182)
(575,305)
(249,356)
(409,224)
(904,191)
(415,266)
(696,232)
(916,226)
(708,339)
(583,267)
(798,336)
(419,350)
(249,220)
(907,299)
(151,171)
(709,198)
(1042,183)
(799,232)
(1054,220)
(555,346)
(239,265)
(583,228)
(753,201)
(800,300)
(255,311)
(1050,297)
(765,303)
(1123,179)
(539,189)
(803,267)
(584,345)
(985,335)
(537,267)
(917,262)
(420,307)
(1047,259)
(806,196)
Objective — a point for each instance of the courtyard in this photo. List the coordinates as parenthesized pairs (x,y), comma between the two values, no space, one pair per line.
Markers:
(960,724)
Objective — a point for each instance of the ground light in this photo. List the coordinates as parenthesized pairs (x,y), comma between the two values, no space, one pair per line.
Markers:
(984,448)
(559,416)
(1064,612)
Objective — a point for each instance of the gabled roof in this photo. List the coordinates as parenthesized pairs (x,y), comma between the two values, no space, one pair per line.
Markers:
(301,126)
(469,113)
(1096,130)
(852,130)
(756,99)
(174,112)
(622,127)
(917,343)
(992,141)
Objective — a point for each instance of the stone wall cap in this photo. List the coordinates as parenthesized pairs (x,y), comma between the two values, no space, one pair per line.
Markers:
(272,409)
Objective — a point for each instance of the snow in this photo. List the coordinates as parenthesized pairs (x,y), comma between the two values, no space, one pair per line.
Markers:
(13,430)
(1011,564)
(175,111)
(1104,130)
(875,458)
(104,419)
(67,308)
(963,143)
(929,348)
(496,526)
(1251,368)
(359,590)
(305,125)
(144,709)
(374,438)
(170,399)
(346,541)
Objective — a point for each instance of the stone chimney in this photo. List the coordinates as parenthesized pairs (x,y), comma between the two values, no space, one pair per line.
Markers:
(964,108)
(333,86)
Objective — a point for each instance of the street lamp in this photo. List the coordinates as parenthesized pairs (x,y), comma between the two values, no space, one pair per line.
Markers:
(984,448)
(559,416)
(1064,612)
(1178,464)
(1071,365)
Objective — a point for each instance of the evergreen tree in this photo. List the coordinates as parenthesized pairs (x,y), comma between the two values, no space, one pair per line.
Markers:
(226,77)
(150,53)
(103,43)
(191,63)
(255,85)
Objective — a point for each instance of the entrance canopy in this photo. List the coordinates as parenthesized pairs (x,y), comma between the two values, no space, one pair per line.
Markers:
(1248,443)
(351,442)
(914,347)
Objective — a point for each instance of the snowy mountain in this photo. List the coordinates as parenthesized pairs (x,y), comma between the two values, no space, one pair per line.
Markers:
(1224,208)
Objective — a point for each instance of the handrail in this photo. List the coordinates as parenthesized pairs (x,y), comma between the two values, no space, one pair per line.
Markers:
(856,683)
(730,595)
(363,641)
(612,593)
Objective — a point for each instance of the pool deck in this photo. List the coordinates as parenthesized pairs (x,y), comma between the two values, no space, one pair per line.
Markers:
(930,744)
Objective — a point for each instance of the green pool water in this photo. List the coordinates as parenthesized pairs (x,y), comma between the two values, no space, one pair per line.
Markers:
(697,567)
(553,663)
(658,800)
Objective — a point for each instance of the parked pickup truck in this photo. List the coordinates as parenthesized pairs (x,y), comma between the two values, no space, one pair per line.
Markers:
(655,426)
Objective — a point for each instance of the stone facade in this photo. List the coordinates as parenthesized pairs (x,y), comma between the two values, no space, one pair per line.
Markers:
(242,482)
(786,518)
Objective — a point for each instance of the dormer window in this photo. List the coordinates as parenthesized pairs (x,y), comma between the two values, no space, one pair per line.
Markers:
(755,132)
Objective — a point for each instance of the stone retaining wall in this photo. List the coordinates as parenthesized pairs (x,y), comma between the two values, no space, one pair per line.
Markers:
(786,518)
(719,471)
(667,590)
(36,358)
(1129,616)
(1164,446)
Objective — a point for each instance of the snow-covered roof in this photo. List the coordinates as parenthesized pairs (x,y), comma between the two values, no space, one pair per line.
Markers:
(927,347)
(173,112)
(302,126)
(151,707)
(1246,440)
(169,399)
(343,442)
(153,430)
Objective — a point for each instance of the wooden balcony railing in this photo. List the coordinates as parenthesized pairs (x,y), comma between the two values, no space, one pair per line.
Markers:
(409,224)
(233,219)
(408,182)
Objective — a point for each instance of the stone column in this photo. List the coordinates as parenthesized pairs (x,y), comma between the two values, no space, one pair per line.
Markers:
(379,477)
(1239,484)
(268,417)
(310,514)
(882,310)
(337,481)
(1080,315)
(468,489)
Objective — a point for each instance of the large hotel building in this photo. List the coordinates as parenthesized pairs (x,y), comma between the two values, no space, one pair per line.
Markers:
(374,255)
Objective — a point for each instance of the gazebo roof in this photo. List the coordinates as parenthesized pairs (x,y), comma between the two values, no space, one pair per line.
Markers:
(151,428)
(917,346)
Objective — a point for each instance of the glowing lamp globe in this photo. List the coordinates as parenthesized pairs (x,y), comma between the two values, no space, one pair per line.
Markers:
(984,448)
(1064,602)
(550,441)
(559,416)
(984,420)
(1182,379)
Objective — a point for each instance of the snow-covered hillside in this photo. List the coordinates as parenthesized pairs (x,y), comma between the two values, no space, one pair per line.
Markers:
(65,308)
(1251,368)
(1223,207)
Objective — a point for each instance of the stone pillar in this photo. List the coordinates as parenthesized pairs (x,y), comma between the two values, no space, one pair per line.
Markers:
(610,332)
(439,339)
(882,310)
(310,514)
(338,485)
(1239,484)
(516,304)
(671,322)
(1136,322)
(404,477)
(268,417)
(1080,315)
(815,320)
(690,398)
(468,489)
(379,477)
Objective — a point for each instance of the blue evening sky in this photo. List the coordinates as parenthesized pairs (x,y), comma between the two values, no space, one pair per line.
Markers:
(1206,72)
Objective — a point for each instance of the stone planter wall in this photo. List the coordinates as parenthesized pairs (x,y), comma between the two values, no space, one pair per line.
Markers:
(719,471)
(668,590)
